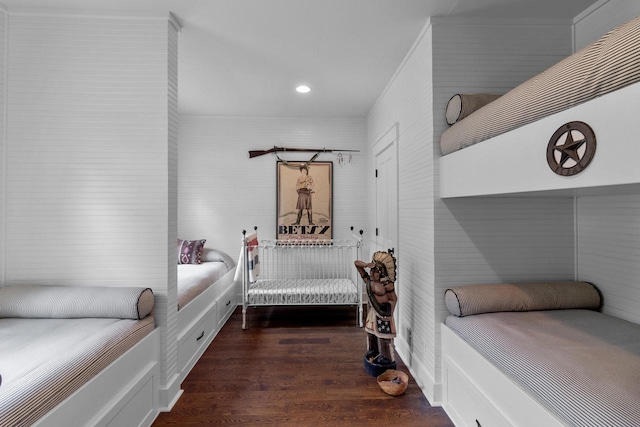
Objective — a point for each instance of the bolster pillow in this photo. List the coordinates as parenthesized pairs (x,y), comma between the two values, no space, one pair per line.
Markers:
(461,105)
(69,302)
(475,299)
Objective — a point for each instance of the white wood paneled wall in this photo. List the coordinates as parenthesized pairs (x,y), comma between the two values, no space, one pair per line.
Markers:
(3,114)
(496,239)
(91,156)
(608,236)
(221,191)
(601,18)
(87,151)
(168,313)
(474,240)
(609,251)
(408,101)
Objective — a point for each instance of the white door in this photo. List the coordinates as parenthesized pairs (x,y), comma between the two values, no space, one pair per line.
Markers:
(386,227)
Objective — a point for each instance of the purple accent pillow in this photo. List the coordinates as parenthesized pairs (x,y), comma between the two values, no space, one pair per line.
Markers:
(190,251)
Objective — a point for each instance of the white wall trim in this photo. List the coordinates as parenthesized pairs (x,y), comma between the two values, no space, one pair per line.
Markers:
(431,390)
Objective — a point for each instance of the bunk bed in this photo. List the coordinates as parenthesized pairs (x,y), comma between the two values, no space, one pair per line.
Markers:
(87,354)
(206,299)
(518,143)
(569,131)
(533,354)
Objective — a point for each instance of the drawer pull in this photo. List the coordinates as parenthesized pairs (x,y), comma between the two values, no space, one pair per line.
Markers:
(227,304)
(200,337)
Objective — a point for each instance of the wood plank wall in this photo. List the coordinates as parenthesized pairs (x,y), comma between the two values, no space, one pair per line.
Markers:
(91,155)
(221,191)
(3,142)
(465,241)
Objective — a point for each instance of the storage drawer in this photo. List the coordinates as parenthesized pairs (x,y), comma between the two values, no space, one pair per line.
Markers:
(190,346)
(470,406)
(226,303)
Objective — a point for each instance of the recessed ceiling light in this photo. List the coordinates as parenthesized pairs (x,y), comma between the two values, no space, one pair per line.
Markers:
(303,89)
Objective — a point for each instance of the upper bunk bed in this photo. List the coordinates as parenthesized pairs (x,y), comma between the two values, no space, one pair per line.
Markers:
(569,130)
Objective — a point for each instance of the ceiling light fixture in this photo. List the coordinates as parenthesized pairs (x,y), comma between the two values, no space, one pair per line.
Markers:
(303,89)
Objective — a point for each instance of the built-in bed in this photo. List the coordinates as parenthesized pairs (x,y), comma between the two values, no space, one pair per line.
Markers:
(77,356)
(503,146)
(538,354)
(206,298)
(543,355)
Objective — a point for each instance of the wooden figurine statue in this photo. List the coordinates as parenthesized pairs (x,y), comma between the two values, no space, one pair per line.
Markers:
(380,326)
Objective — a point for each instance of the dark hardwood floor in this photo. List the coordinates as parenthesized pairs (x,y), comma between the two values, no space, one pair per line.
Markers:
(294,366)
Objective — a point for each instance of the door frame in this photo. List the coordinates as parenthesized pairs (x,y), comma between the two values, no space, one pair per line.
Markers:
(388,139)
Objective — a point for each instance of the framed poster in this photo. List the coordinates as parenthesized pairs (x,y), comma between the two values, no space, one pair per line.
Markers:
(304,201)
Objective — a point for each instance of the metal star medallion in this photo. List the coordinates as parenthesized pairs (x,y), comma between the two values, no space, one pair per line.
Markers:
(571,148)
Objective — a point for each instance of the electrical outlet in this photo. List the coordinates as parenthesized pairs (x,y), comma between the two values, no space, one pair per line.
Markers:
(410,339)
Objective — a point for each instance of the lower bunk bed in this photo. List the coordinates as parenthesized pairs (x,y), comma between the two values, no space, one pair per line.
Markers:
(78,356)
(538,355)
(207,296)
(286,272)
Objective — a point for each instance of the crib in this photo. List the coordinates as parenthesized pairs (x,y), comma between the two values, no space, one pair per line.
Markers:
(287,272)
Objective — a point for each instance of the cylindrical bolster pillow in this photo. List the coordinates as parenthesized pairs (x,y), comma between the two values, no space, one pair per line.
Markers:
(461,105)
(68,302)
(475,299)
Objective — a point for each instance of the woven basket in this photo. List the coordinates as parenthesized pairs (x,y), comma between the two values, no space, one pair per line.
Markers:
(393,382)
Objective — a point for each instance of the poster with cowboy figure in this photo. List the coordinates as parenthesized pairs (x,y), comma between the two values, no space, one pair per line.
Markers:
(304,207)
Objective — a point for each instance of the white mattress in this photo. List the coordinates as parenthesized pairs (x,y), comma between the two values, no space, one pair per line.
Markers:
(193,279)
(302,292)
(582,365)
(43,361)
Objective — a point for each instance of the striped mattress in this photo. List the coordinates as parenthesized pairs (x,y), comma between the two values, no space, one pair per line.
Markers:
(193,279)
(302,292)
(582,365)
(609,64)
(43,361)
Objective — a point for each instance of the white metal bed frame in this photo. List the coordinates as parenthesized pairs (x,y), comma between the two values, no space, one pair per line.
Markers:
(312,272)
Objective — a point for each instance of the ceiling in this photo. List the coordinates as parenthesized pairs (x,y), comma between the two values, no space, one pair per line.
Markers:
(245,57)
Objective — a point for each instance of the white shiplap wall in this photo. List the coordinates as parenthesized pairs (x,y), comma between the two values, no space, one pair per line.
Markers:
(90,156)
(168,303)
(87,151)
(491,239)
(608,226)
(407,100)
(474,240)
(609,251)
(3,128)
(221,191)
(601,18)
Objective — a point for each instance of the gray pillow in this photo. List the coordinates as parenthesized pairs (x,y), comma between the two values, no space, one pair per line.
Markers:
(215,255)
(68,302)
(475,299)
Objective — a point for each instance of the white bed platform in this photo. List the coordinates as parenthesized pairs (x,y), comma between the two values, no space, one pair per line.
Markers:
(202,318)
(515,162)
(104,401)
(477,394)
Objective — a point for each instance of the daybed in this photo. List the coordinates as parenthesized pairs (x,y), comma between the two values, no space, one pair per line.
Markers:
(279,272)
(77,356)
(206,299)
(506,146)
(538,354)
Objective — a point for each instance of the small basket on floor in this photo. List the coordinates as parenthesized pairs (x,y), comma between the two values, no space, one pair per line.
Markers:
(393,382)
